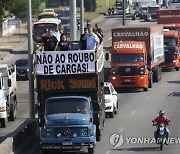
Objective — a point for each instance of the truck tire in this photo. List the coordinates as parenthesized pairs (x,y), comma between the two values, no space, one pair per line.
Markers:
(3,122)
(150,80)
(91,150)
(116,109)
(133,17)
(13,110)
(45,151)
(145,89)
(98,135)
(111,114)
(177,68)
(157,74)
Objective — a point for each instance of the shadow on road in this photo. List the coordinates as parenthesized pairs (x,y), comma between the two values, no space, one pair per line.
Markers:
(175,94)
(19,52)
(136,149)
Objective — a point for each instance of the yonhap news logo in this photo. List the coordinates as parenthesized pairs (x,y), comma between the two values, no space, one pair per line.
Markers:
(117,140)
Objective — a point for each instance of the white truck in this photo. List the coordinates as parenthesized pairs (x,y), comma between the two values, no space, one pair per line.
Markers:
(140,6)
(8,99)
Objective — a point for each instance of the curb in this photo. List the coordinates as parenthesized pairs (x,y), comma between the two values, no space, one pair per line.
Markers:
(21,137)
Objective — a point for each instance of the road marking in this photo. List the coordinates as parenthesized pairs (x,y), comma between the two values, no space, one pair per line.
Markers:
(121,129)
(133,112)
(175,76)
(160,86)
(147,97)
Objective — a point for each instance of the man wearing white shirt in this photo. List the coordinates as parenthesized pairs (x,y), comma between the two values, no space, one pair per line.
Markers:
(92,40)
(57,34)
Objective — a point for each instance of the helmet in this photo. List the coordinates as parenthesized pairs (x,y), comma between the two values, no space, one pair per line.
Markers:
(161,113)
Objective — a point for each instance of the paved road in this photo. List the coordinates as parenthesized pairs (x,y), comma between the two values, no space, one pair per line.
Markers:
(136,111)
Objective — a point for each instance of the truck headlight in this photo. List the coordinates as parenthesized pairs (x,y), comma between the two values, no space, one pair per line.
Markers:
(48,132)
(85,131)
(142,70)
(175,61)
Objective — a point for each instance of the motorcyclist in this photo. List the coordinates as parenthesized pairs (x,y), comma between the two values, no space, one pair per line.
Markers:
(162,119)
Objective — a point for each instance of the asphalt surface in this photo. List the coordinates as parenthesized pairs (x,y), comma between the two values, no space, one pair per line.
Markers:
(136,110)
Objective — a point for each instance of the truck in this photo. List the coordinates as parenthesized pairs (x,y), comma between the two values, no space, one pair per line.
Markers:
(8,98)
(171,21)
(119,6)
(136,57)
(70,96)
(140,7)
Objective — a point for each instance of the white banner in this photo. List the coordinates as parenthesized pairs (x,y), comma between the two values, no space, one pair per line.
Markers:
(158,45)
(65,62)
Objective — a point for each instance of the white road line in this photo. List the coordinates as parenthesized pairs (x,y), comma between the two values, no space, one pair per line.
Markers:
(133,112)
(121,129)
(160,86)
(147,97)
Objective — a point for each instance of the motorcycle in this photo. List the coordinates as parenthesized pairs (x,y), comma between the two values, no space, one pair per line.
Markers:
(161,135)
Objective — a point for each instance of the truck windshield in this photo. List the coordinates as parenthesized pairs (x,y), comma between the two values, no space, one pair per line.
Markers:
(170,42)
(127,58)
(67,105)
(153,9)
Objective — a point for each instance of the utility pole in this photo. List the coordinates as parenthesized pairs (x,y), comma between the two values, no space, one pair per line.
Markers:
(30,62)
(124,13)
(82,17)
(73,21)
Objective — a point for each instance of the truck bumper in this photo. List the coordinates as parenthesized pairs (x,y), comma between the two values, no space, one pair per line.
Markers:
(3,114)
(68,143)
(171,65)
(139,81)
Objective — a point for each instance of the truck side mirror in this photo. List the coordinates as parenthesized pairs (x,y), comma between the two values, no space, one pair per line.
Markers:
(9,83)
(107,56)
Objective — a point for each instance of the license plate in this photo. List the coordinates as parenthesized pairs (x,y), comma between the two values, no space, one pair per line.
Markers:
(127,80)
(67,143)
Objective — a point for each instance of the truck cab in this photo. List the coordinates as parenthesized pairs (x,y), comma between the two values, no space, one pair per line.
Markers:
(69,122)
(8,87)
(128,65)
(171,49)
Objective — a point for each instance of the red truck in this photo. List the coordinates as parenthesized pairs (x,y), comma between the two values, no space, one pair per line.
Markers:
(136,56)
(171,21)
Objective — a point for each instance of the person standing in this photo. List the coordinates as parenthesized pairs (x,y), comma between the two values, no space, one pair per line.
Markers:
(83,39)
(50,42)
(63,44)
(92,40)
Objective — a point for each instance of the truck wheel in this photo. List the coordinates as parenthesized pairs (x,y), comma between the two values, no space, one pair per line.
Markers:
(150,80)
(111,114)
(177,68)
(133,17)
(91,150)
(98,135)
(145,89)
(13,110)
(45,151)
(3,123)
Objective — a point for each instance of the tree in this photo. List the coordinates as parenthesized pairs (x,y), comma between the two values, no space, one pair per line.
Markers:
(90,5)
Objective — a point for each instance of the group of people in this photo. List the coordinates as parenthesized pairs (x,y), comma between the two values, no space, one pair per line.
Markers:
(91,38)
(54,40)
(57,40)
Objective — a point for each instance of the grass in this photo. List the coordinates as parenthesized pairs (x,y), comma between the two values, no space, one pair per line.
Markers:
(102,7)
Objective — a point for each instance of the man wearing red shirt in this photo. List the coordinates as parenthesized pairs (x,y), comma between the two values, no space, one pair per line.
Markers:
(162,119)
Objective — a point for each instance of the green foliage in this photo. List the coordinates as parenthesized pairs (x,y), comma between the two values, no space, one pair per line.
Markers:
(18,7)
